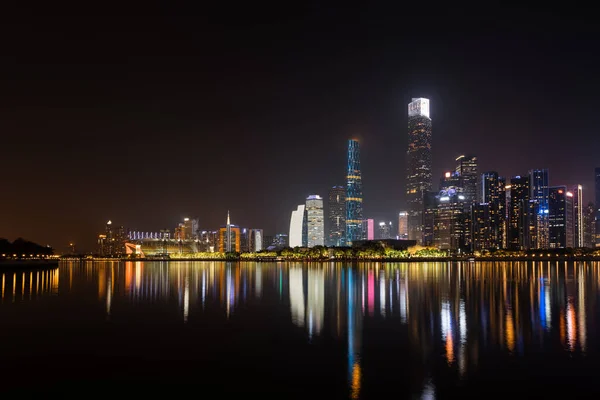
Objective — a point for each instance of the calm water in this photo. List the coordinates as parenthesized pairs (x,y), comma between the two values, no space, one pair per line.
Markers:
(368,330)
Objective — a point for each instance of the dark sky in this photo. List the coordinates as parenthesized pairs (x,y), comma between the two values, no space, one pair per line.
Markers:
(159,114)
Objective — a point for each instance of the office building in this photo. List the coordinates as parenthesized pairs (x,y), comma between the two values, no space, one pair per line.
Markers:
(589,223)
(558,215)
(229,237)
(578,211)
(466,170)
(315,222)
(403,225)
(354,194)
(493,193)
(336,217)
(368,228)
(518,213)
(419,175)
(296,227)
(482,233)
(451,222)
(385,230)
(538,192)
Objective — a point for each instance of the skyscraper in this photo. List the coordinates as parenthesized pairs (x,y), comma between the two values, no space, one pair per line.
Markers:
(296,222)
(385,230)
(336,217)
(538,182)
(578,211)
(589,222)
(403,225)
(466,169)
(354,194)
(597,204)
(557,215)
(519,203)
(493,194)
(229,237)
(315,221)
(418,177)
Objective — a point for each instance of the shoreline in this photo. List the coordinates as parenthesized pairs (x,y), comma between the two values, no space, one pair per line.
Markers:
(28,264)
(352,260)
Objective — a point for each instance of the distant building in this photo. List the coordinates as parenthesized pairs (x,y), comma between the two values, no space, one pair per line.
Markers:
(354,194)
(466,169)
(315,221)
(403,225)
(229,237)
(578,211)
(493,193)
(296,224)
(558,215)
(483,236)
(539,192)
(518,222)
(589,222)
(280,241)
(419,171)
(385,230)
(368,227)
(255,240)
(451,221)
(336,217)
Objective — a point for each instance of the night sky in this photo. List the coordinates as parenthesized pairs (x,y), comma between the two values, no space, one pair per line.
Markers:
(190,112)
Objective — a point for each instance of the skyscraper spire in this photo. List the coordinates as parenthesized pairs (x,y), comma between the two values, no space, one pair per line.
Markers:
(228,222)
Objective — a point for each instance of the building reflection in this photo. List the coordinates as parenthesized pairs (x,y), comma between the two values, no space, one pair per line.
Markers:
(458,310)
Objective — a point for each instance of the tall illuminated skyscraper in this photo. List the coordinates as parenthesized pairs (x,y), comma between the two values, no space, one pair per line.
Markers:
(336,217)
(315,223)
(403,225)
(296,227)
(418,177)
(354,194)
(539,192)
(578,209)
(466,169)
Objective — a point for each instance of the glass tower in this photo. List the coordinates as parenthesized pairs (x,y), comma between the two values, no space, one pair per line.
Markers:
(538,181)
(315,224)
(337,216)
(418,176)
(354,195)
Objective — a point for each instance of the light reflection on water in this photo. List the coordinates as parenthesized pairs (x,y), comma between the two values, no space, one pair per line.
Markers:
(458,310)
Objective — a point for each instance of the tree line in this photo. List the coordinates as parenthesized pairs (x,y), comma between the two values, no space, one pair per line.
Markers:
(23,248)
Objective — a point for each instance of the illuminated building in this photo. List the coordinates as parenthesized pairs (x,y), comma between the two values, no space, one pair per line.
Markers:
(256,242)
(589,226)
(296,223)
(450,221)
(368,227)
(403,225)
(315,221)
(385,230)
(229,237)
(578,209)
(280,241)
(418,177)
(450,180)
(482,232)
(354,194)
(188,230)
(466,169)
(597,190)
(336,217)
(538,191)
(429,208)
(518,221)
(493,193)
(558,210)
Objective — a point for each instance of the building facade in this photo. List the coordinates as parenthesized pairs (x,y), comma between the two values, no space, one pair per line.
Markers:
(315,221)
(493,193)
(385,230)
(403,225)
(518,212)
(336,217)
(419,171)
(558,210)
(296,226)
(354,194)
(539,192)
(466,170)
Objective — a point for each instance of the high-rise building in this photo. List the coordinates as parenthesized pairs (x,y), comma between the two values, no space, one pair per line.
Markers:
(518,212)
(482,232)
(336,217)
(597,204)
(403,225)
(354,194)
(539,192)
(557,215)
(296,224)
(368,228)
(450,221)
(466,169)
(418,177)
(578,211)
(315,221)
(385,230)
(255,240)
(589,222)
(493,193)
(230,237)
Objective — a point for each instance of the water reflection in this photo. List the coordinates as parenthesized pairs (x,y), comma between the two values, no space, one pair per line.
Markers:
(460,311)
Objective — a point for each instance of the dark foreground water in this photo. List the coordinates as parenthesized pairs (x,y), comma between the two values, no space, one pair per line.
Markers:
(368,330)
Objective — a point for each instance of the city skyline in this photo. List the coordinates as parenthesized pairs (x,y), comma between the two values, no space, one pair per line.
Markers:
(130,126)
